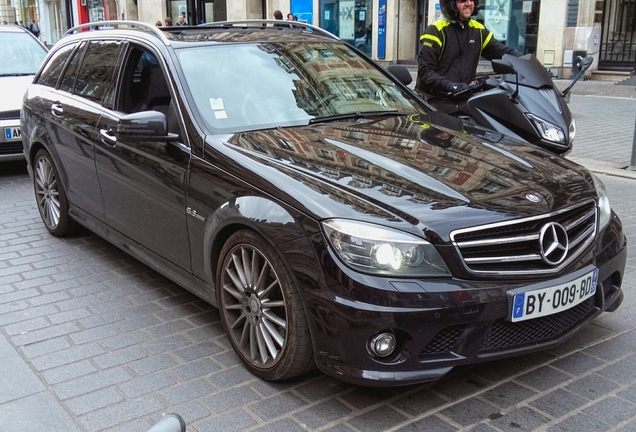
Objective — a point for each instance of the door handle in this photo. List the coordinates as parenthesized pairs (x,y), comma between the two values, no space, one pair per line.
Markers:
(57,109)
(108,137)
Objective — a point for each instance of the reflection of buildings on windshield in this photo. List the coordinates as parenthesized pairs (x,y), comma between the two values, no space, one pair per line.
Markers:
(331,151)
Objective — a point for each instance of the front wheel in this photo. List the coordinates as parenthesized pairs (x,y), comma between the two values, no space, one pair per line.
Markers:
(50,196)
(261,309)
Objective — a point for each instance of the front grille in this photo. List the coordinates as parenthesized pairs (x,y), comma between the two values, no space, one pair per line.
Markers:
(11,148)
(506,334)
(444,340)
(513,248)
(10,115)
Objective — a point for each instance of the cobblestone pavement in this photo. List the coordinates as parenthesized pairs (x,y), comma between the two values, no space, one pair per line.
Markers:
(91,340)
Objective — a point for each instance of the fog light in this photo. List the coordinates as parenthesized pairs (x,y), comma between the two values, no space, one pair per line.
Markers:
(382,345)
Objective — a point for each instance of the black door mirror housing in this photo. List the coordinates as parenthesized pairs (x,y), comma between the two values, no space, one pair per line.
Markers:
(145,125)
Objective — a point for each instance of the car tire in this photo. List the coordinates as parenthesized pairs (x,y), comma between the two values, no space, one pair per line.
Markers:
(261,309)
(51,197)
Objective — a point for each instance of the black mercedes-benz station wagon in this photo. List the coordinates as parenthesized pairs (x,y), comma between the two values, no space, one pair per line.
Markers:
(334,218)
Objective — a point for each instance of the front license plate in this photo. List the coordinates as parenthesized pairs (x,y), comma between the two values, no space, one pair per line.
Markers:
(12,133)
(547,301)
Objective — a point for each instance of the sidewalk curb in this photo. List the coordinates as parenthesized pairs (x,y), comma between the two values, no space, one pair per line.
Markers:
(604,168)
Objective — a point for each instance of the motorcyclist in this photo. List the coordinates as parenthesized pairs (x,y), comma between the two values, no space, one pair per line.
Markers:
(450,52)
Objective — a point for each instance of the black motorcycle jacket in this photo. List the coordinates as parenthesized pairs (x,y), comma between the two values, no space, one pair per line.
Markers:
(450,53)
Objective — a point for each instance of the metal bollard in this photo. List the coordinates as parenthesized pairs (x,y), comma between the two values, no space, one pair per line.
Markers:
(632,164)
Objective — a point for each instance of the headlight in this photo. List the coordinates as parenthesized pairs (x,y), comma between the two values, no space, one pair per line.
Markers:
(547,130)
(572,130)
(604,209)
(371,248)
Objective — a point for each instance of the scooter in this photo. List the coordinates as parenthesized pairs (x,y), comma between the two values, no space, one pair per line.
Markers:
(523,103)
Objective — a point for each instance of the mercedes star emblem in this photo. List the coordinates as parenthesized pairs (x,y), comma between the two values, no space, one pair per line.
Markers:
(553,243)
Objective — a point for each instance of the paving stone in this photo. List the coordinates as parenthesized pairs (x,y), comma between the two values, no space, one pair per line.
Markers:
(146,384)
(184,392)
(203,349)
(153,364)
(432,423)
(458,386)
(234,421)
(26,326)
(125,339)
(362,398)
(276,406)
(232,376)
(285,424)
(119,413)
(93,334)
(508,394)
(320,387)
(579,422)
(45,347)
(119,357)
(622,372)
(100,319)
(92,401)
(322,414)
(67,316)
(229,399)
(67,372)
(70,355)
(612,410)
(419,402)
(170,343)
(45,334)
(592,386)
(90,383)
(543,378)
(379,419)
(520,420)
(559,403)
(469,411)
(198,368)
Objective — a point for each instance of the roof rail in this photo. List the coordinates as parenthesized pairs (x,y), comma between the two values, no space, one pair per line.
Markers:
(264,23)
(105,25)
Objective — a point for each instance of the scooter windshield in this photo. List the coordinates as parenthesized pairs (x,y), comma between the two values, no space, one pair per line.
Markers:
(531,72)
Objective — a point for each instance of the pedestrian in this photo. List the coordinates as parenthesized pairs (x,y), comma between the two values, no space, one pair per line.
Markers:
(278,15)
(167,22)
(181,21)
(291,17)
(34,28)
(158,23)
(449,54)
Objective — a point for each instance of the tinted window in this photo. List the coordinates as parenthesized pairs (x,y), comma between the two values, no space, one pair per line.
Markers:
(21,54)
(67,82)
(97,69)
(53,68)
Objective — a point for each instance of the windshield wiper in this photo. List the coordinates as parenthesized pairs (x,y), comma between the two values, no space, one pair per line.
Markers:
(354,115)
(16,74)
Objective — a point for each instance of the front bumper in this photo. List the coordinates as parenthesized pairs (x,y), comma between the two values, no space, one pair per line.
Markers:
(10,143)
(443,323)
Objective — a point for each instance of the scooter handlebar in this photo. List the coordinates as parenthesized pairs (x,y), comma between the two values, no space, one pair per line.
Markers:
(472,87)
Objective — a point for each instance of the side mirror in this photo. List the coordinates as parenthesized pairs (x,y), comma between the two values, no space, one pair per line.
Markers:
(146,126)
(502,67)
(585,63)
(401,73)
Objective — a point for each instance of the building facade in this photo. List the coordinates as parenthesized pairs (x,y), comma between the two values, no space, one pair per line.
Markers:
(556,31)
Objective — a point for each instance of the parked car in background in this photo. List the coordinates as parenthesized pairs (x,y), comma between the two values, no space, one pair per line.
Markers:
(22,55)
(334,218)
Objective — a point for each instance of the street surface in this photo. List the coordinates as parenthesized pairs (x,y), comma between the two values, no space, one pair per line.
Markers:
(91,340)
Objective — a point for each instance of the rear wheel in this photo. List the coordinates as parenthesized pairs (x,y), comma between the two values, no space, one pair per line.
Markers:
(261,309)
(50,196)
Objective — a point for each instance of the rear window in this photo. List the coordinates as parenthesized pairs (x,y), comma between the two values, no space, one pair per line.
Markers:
(21,54)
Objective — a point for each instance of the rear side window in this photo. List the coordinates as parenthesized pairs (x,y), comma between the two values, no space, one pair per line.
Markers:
(96,71)
(55,65)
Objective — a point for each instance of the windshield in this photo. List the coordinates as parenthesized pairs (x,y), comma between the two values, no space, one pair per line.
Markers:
(251,86)
(21,54)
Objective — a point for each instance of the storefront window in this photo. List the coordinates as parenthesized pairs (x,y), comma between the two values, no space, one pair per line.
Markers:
(514,23)
(350,20)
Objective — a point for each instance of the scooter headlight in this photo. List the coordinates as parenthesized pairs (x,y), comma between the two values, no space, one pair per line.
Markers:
(572,130)
(548,131)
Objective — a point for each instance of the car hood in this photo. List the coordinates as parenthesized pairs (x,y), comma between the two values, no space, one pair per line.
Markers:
(12,89)
(407,173)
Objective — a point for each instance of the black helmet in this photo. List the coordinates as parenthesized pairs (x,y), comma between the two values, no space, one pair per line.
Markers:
(449,8)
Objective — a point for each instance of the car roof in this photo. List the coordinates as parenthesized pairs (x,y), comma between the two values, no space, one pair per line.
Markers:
(222,31)
(12,28)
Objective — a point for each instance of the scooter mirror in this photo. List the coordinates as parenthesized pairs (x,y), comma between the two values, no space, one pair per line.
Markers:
(401,73)
(586,62)
(502,67)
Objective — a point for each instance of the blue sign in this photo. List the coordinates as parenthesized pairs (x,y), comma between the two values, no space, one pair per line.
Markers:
(382,29)
(302,10)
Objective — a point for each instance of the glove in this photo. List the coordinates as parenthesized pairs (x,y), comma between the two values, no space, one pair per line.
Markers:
(458,87)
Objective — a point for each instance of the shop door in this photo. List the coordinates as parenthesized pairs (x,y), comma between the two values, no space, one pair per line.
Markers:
(618,36)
